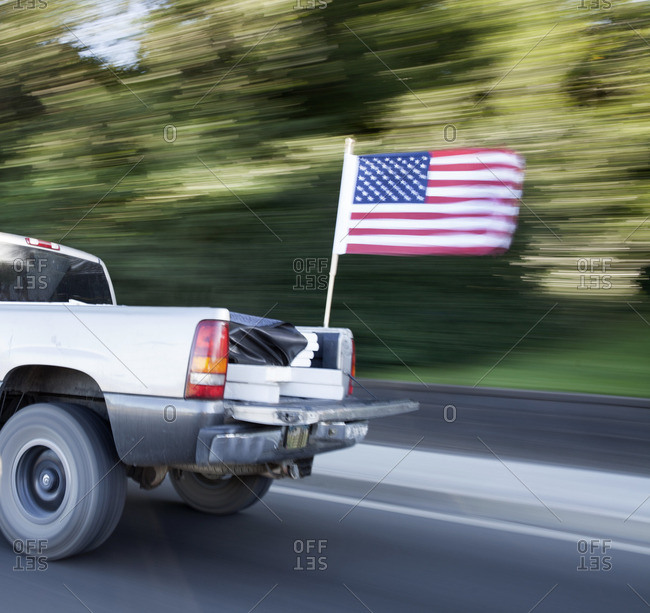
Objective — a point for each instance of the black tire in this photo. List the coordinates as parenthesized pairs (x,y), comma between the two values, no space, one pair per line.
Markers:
(61,484)
(219,495)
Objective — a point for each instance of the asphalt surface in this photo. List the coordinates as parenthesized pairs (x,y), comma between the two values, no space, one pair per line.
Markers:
(605,432)
(336,542)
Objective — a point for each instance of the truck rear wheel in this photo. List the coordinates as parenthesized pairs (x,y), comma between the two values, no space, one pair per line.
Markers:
(62,488)
(219,495)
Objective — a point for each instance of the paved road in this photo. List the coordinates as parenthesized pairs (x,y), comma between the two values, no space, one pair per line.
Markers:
(379,547)
(164,557)
(606,432)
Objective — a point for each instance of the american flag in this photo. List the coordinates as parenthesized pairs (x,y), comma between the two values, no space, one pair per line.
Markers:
(453,202)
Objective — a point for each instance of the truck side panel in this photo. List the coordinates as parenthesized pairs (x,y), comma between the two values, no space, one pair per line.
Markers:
(131,350)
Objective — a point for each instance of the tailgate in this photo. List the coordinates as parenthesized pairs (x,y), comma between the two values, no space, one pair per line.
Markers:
(304,411)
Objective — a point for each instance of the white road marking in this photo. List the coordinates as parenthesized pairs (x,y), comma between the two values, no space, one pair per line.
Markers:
(572,490)
(491,524)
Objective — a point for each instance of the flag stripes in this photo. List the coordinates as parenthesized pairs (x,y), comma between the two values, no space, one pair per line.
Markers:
(454,202)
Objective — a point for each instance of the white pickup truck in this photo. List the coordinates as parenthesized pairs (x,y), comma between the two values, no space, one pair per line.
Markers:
(92,393)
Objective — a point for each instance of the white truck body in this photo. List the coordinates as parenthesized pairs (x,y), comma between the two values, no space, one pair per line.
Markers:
(131,364)
(92,393)
(126,350)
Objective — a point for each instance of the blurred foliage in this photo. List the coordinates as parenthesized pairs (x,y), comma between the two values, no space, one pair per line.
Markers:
(207,171)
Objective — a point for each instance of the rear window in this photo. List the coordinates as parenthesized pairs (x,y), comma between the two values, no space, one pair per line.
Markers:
(28,274)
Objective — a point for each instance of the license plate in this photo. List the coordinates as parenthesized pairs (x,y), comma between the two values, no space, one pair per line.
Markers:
(297,437)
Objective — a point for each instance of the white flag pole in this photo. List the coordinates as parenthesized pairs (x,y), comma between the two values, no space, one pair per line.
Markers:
(330,289)
(341,224)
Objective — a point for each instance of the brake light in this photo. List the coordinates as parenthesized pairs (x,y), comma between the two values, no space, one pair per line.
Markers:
(206,376)
(353,368)
(34,242)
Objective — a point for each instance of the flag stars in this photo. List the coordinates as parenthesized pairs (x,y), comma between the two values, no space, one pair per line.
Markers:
(392,178)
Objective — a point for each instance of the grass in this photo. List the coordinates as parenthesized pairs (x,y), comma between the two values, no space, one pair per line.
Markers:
(606,357)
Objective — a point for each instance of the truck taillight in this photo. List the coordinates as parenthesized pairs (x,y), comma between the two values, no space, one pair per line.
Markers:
(353,368)
(206,377)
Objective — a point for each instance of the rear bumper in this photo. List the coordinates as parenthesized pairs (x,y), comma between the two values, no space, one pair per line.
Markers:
(248,444)
(292,430)
(150,431)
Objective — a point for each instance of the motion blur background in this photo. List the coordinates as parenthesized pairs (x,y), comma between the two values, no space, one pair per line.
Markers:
(196,146)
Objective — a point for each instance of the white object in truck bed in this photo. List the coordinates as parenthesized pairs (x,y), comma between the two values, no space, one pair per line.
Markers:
(305,357)
(267,383)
